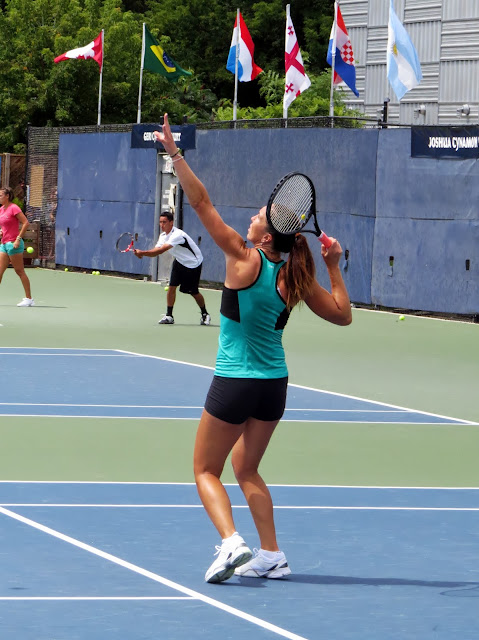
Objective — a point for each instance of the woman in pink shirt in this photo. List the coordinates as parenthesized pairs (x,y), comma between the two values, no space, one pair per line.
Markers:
(13,224)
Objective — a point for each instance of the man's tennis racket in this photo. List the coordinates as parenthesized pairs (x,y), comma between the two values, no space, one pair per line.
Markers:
(125,243)
(292,204)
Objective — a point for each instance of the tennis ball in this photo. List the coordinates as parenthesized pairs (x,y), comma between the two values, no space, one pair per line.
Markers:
(166,288)
(303,216)
(402,317)
(66,268)
(30,249)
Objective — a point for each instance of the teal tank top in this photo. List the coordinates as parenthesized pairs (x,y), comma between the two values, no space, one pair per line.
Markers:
(251,328)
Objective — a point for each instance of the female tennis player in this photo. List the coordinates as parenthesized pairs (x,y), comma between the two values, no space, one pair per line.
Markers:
(247,397)
(13,224)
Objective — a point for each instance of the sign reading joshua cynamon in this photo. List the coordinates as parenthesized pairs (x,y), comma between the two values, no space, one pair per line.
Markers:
(445,142)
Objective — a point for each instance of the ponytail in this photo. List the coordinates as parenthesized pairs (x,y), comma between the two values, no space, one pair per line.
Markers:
(299,270)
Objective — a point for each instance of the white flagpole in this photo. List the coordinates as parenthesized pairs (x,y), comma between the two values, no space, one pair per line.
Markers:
(101,76)
(333,61)
(138,117)
(235,100)
(285,109)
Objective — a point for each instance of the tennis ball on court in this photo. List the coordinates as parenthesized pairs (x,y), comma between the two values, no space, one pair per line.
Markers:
(402,317)
(66,268)
(30,249)
(166,288)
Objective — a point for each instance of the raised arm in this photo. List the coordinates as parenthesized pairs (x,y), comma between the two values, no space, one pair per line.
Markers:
(335,306)
(225,236)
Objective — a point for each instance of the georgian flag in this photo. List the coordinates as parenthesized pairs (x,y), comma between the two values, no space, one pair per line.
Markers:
(92,50)
(344,69)
(296,79)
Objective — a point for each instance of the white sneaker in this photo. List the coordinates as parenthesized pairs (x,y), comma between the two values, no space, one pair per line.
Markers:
(260,567)
(26,302)
(166,320)
(232,553)
(205,319)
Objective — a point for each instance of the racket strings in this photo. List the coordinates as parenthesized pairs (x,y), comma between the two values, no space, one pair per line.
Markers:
(124,242)
(291,205)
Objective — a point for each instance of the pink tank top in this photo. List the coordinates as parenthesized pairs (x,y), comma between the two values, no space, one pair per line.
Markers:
(9,222)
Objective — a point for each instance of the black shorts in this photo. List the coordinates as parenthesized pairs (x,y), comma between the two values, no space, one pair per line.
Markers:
(234,400)
(186,279)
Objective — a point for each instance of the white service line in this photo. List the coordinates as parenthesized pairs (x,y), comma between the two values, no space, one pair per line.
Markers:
(154,576)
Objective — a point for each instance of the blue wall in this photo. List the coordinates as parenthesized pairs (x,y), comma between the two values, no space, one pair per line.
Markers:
(105,188)
(377,200)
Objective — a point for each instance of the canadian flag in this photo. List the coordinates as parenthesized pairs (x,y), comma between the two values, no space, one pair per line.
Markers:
(92,50)
(296,79)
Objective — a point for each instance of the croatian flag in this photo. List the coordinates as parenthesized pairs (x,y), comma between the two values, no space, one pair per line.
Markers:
(403,66)
(92,50)
(344,69)
(247,69)
(296,79)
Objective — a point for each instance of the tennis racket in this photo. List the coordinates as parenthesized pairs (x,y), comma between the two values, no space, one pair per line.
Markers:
(292,204)
(126,242)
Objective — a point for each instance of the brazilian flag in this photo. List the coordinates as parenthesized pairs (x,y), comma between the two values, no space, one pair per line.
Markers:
(157,60)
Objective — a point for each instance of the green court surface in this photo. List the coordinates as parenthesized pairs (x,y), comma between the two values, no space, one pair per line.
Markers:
(426,364)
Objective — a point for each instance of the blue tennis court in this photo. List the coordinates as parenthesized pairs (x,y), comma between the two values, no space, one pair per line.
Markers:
(100,560)
(110,560)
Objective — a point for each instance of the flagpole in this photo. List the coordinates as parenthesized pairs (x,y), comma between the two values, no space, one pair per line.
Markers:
(285,109)
(333,62)
(138,117)
(235,100)
(101,77)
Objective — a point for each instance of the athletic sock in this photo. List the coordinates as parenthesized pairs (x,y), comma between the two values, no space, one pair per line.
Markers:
(169,311)
(203,311)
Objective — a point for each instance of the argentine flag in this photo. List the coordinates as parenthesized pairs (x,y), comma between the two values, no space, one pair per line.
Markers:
(403,68)
(247,69)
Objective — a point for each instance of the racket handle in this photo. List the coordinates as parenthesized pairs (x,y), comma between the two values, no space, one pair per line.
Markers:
(324,239)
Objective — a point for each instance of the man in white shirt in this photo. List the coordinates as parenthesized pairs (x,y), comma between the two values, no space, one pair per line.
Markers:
(186,268)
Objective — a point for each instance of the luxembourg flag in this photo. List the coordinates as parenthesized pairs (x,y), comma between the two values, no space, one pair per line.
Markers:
(344,69)
(403,67)
(247,69)
(92,50)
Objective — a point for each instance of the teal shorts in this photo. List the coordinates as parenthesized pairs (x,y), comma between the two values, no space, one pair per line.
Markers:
(8,248)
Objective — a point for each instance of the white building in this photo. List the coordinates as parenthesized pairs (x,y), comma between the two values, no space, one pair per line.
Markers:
(446,36)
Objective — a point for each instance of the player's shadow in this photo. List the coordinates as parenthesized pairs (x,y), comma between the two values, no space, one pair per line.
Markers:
(472,588)
(454,588)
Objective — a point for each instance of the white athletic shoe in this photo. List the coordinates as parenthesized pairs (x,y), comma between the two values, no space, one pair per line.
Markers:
(166,320)
(205,319)
(26,302)
(260,567)
(232,553)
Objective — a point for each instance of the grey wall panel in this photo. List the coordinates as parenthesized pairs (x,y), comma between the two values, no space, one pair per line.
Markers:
(459,82)
(459,9)
(429,272)
(420,10)
(423,188)
(102,166)
(86,233)
(243,166)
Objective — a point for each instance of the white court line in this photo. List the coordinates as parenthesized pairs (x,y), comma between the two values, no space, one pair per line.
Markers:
(234,484)
(95,598)
(387,423)
(154,576)
(234,506)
